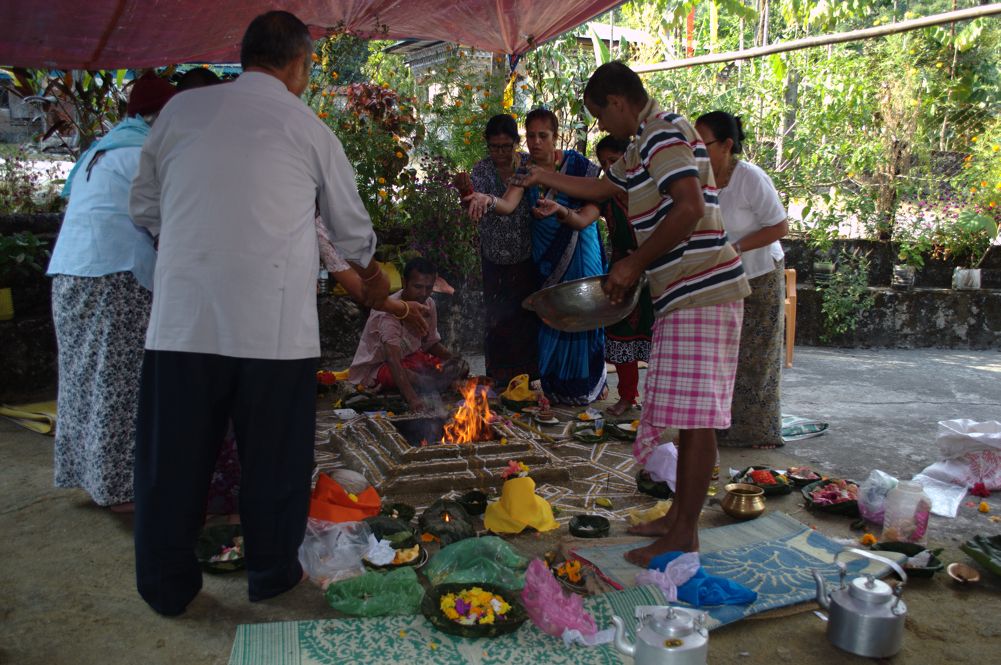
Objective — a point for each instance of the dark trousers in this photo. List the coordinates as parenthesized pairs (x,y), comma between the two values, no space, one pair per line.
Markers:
(185,401)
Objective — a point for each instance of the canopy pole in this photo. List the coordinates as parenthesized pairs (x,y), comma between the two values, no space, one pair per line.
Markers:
(824,40)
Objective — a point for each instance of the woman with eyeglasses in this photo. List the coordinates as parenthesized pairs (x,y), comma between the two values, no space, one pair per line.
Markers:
(565,246)
(754,220)
(511,345)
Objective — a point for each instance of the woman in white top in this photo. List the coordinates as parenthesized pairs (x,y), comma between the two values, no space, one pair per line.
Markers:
(754,220)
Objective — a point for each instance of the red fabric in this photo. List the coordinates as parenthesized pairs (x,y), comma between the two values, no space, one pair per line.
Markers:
(113,34)
(149,94)
(629,379)
(417,361)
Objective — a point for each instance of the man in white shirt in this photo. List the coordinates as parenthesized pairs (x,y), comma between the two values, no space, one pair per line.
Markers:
(230,179)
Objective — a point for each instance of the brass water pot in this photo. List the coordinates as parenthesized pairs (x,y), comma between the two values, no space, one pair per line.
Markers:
(743,501)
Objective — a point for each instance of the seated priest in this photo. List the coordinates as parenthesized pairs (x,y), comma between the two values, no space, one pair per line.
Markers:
(392,356)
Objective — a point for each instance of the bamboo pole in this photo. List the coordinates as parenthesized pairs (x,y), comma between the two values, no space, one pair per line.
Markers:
(824,40)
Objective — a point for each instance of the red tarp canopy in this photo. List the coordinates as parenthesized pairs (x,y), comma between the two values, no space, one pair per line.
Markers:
(114,34)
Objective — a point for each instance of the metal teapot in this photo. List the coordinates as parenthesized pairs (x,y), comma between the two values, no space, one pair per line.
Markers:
(666,636)
(866,615)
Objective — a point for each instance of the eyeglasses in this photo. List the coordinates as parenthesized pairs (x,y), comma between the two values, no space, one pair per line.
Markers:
(500,147)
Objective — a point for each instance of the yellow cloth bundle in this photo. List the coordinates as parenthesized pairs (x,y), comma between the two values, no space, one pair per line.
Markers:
(518,508)
(518,390)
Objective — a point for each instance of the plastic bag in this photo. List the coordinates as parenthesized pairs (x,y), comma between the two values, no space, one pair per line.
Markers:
(377,594)
(487,560)
(971,453)
(333,551)
(551,610)
(872,495)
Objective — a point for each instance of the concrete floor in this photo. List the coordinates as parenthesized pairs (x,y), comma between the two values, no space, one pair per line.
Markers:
(67,590)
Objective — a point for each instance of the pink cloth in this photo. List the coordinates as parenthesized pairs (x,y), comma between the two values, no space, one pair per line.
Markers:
(689,381)
(383,329)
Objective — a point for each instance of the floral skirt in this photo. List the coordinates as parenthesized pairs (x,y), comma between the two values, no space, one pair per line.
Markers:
(100,327)
(756,414)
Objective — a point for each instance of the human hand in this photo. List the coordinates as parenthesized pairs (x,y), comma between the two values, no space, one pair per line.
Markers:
(477,204)
(417,318)
(526,176)
(621,279)
(416,404)
(547,207)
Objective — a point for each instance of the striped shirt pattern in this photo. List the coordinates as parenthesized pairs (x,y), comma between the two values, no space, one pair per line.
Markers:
(703,269)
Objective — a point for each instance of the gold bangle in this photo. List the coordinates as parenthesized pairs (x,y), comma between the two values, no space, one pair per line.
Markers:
(405,314)
(372,276)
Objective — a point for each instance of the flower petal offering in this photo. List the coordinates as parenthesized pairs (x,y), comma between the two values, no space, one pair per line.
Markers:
(474,606)
(481,610)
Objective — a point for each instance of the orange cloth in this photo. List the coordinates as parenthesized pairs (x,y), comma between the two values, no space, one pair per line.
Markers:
(331,503)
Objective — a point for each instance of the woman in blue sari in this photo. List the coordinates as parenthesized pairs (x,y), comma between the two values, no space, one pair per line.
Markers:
(565,246)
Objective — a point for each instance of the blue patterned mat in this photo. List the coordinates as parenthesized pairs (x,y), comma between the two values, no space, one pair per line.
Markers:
(411,640)
(772,555)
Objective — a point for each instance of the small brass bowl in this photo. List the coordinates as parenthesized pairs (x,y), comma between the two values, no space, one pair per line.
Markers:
(743,501)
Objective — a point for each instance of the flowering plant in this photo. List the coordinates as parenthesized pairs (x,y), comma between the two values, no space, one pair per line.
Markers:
(515,469)
(474,606)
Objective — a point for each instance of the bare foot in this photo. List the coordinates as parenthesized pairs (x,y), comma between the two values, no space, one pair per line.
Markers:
(619,408)
(128,507)
(655,528)
(642,556)
(604,393)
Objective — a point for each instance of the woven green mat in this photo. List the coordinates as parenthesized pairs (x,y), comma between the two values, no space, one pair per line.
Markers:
(411,639)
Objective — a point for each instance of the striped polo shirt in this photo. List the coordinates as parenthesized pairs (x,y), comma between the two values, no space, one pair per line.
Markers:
(703,269)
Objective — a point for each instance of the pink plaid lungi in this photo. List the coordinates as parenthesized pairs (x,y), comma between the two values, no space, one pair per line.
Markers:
(689,382)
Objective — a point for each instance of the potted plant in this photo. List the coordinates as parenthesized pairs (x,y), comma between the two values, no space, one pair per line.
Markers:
(846,296)
(21,255)
(912,247)
(966,241)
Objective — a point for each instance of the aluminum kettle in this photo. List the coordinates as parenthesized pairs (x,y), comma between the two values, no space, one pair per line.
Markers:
(865,616)
(666,635)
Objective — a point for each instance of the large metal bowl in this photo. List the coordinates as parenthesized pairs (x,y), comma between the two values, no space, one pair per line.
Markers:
(581,305)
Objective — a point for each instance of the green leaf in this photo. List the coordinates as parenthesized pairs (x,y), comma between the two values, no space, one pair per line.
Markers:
(778,66)
(601,52)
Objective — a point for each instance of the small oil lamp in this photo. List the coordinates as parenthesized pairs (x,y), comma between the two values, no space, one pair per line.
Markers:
(448,521)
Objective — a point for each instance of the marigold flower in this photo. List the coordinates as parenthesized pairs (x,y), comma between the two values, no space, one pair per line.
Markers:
(334,75)
(382,181)
(983,507)
(316,58)
(974,139)
(867,540)
(458,103)
(399,155)
(383,194)
(466,141)
(353,497)
(322,114)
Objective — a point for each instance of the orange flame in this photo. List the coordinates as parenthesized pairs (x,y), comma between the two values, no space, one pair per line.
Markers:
(471,420)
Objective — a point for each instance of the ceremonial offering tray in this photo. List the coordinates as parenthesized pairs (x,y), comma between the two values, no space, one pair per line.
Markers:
(468,610)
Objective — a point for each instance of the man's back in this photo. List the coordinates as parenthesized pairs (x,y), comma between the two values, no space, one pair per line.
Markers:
(238,171)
